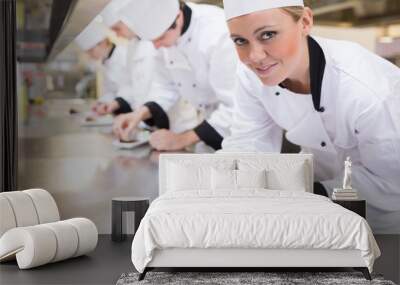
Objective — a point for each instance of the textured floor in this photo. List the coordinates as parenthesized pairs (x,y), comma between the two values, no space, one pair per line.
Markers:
(106,264)
(103,266)
(269,278)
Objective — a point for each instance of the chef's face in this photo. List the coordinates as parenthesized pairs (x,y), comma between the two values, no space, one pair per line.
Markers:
(271,42)
(170,37)
(100,51)
(123,30)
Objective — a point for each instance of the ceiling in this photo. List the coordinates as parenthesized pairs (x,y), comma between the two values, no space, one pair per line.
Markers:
(349,12)
(356,12)
(46,27)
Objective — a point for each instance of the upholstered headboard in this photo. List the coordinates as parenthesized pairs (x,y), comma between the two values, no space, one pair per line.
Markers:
(277,162)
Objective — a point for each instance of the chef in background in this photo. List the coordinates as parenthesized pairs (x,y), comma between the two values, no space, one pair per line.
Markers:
(141,58)
(95,41)
(334,98)
(196,62)
(138,61)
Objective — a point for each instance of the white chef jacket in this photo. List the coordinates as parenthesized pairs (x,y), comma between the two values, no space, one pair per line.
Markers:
(128,74)
(116,76)
(141,65)
(356,113)
(141,62)
(200,69)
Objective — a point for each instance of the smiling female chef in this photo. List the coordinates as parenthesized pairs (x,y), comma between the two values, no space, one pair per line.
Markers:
(197,63)
(334,98)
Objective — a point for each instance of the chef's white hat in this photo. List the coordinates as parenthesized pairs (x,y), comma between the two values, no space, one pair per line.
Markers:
(111,14)
(93,34)
(149,19)
(236,8)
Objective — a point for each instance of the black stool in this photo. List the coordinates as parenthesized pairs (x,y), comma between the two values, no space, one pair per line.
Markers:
(139,205)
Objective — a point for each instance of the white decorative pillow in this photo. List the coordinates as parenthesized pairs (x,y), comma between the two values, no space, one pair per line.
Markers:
(183,177)
(251,179)
(293,179)
(193,174)
(231,180)
(223,179)
(281,175)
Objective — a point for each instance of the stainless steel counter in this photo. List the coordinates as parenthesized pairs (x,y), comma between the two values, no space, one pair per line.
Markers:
(79,166)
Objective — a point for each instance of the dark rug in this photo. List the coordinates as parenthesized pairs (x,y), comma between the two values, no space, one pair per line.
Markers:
(243,278)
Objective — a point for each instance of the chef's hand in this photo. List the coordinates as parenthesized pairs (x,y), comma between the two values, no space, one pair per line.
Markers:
(126,124)
(99,108)
(95,106)
(165,140)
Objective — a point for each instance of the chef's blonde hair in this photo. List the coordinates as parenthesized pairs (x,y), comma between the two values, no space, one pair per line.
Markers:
(295,11)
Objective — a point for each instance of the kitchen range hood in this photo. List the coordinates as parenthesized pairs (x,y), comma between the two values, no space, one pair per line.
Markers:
(69,18)
(46,27)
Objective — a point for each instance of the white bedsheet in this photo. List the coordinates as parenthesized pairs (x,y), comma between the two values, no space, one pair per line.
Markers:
(250,219)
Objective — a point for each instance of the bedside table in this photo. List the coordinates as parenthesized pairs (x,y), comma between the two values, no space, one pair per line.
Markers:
(357,206)
(139,205)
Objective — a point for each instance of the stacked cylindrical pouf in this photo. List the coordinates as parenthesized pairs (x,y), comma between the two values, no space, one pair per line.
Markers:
(31,230)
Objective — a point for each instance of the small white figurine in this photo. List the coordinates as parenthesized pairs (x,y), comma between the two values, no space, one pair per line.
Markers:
(347,174)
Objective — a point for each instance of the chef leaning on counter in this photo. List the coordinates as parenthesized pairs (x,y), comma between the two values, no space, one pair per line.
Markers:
(334,98)
(197,63)
(94,40)
(139,60)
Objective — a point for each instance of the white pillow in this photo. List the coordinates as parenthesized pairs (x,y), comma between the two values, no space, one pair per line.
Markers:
(183,177)
(193,174)
(223,179)
(293,179)
(251,179)
(226,179)
(281,175)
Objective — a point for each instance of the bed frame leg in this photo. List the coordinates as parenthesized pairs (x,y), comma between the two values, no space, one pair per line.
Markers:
(143,274)
(365,272)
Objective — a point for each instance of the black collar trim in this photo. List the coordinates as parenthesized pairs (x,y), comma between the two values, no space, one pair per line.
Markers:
(317,69)
(111,52)
(187,17)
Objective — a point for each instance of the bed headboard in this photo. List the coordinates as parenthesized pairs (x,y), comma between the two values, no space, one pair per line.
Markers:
(210,159)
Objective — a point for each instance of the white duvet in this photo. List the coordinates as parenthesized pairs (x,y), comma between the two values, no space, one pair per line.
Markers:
(250,219)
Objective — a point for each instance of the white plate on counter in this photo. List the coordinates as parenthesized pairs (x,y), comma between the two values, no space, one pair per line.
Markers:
(142,137)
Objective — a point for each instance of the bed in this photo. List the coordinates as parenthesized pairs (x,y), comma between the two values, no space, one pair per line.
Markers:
(240,210)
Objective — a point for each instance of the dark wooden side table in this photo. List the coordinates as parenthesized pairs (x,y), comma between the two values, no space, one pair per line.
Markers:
(139,205)
(357,206)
